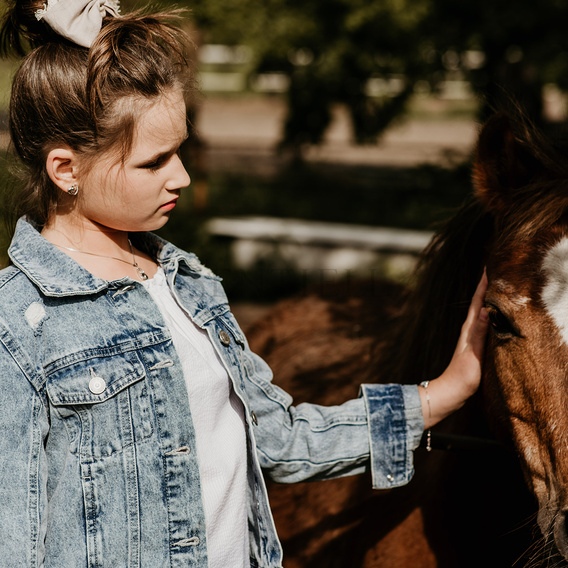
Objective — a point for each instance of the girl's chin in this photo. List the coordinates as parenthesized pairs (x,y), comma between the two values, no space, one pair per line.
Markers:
(144,226)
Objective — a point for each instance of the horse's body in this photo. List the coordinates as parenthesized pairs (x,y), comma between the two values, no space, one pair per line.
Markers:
(463,508)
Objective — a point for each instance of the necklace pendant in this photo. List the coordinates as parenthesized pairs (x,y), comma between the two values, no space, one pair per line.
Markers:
(142,274)
(140,271)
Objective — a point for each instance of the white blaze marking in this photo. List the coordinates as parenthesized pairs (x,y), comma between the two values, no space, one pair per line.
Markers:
(555,292)
(504,287)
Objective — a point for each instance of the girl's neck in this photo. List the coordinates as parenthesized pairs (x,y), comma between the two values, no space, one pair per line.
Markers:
(87,237)
(106,253)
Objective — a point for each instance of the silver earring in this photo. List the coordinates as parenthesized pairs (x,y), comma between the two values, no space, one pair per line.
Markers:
(73,189)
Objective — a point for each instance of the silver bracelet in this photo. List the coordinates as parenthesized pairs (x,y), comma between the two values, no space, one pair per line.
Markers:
(424,385)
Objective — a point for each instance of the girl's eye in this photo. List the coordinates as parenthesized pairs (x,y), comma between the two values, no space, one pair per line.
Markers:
(159,162)
(153,166)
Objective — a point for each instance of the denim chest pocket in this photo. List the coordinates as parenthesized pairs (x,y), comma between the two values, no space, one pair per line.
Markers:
(103,402)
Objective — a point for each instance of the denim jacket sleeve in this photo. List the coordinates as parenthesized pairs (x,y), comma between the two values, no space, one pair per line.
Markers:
(23,469)
(379,430)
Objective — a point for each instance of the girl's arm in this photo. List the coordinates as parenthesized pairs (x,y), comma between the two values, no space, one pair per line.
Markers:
(379,431)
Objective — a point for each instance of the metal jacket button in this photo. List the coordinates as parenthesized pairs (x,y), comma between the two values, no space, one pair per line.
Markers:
(254,418)
(97,385)
(224,337)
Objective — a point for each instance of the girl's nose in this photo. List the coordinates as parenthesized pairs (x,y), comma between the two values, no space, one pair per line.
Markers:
(179,178)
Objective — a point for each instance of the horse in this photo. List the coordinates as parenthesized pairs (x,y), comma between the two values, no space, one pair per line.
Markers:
(497,495)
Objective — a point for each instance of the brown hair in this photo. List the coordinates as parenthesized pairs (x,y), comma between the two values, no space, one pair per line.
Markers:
(67,95)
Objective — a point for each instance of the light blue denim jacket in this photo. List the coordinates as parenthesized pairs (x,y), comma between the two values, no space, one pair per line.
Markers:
(97,448)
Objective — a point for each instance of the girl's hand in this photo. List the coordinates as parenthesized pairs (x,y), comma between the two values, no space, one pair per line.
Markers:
(461,378)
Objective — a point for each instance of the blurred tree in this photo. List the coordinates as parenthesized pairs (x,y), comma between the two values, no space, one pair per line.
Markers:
(371,55)
(329,50)
(517,47)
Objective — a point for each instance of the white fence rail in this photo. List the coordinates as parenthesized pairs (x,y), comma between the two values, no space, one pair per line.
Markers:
(314,245)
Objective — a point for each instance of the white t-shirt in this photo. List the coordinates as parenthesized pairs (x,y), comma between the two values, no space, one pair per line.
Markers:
(218,419)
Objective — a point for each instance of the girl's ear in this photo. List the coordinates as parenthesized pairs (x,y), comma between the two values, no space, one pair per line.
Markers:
(62,167)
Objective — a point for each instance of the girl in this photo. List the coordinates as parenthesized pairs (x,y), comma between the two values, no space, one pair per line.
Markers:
(135,421)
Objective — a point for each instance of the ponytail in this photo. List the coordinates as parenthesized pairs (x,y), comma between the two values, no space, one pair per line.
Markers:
(20,30)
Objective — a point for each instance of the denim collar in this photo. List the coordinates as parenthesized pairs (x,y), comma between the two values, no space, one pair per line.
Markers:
(57,274)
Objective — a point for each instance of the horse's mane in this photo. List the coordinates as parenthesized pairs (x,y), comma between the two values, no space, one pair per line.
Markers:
(521,175)
(435,305)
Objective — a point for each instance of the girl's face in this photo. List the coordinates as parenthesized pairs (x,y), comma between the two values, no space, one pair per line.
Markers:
(139,193)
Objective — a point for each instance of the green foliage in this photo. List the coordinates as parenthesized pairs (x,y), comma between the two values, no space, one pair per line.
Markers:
(524,46)
(7,69)
(329,50)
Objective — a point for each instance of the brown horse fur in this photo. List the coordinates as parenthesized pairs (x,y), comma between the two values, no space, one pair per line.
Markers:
(462,509)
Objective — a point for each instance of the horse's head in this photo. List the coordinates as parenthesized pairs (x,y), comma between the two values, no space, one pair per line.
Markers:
(523,186)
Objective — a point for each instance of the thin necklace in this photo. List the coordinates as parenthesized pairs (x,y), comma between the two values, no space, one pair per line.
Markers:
(140,271)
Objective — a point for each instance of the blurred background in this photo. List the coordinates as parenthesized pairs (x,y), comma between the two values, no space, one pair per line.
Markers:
(331,136)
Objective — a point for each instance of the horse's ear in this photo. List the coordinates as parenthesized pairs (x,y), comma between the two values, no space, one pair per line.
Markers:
(503,163)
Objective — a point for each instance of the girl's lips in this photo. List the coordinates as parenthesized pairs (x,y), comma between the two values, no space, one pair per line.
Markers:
(170,204)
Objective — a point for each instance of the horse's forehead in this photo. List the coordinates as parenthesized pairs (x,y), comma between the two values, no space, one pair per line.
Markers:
(511,290)
(511,264)
(524,271)
(555,289)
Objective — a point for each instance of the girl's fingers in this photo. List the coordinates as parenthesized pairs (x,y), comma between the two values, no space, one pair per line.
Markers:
(475,326)
(462,376)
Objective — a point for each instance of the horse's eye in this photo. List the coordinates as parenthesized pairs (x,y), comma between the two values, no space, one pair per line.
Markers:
(502,326)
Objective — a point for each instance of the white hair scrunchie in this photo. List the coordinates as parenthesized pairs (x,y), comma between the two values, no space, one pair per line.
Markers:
(77,20)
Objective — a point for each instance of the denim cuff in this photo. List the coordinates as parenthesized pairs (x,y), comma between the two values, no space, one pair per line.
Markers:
(396,426)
